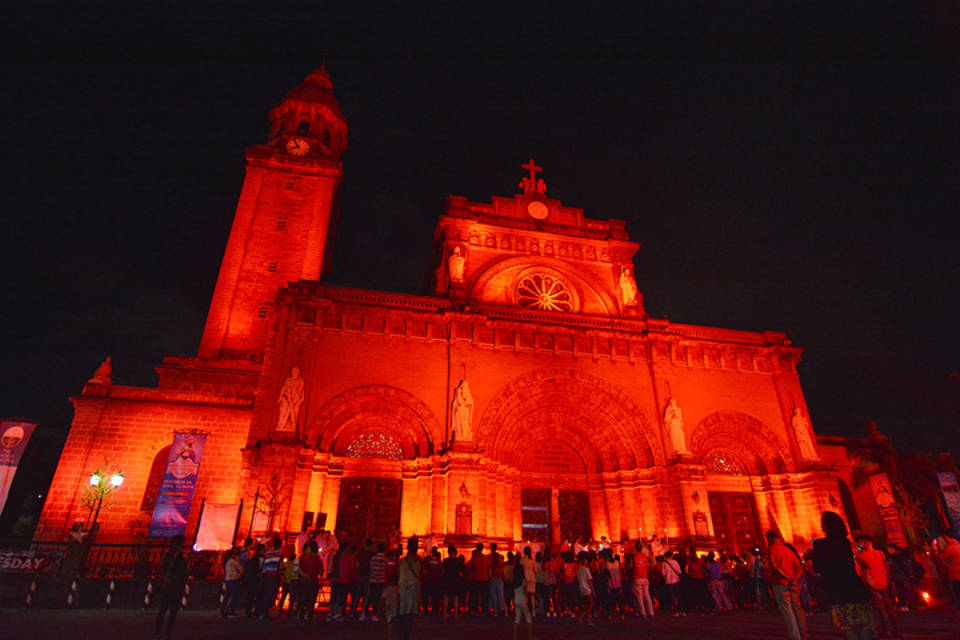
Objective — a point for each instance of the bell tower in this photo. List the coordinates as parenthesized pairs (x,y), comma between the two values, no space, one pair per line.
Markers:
(280,228)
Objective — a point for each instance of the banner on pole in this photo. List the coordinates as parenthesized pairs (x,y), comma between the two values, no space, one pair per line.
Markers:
(216,527)
(951,496)
(176,488)
(887,504)
(14,436)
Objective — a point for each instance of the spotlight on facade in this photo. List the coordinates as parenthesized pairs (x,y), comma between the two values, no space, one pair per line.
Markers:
(95,480)
(116,479)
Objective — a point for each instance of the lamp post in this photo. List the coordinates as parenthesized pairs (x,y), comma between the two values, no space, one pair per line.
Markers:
(101,484)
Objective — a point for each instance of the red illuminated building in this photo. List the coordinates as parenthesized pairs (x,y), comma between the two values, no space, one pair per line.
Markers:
(527,395)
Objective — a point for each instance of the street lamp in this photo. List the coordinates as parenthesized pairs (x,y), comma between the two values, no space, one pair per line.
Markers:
(101,485)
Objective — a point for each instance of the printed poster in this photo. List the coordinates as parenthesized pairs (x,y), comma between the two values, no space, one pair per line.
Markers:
(176,489)
(951,496)
(14,436)
(217,526)
(889,515)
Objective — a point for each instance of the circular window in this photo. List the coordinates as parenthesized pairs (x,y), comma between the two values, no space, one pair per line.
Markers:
(723,463)
(544,291)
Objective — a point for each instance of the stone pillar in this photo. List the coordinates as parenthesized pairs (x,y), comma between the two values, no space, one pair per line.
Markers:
(438,518)
(556,536)
(632,520)
(330,497)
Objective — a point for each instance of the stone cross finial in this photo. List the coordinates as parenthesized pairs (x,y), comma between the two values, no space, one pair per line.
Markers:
(532,185)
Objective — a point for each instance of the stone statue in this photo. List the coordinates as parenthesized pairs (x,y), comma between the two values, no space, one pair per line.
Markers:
(455,265)
(628,288)
(102,374)
(673,418)
(462,413)
(801,431)
(289,402)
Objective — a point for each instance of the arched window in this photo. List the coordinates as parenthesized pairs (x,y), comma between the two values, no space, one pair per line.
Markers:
(723,463)
(154,479)
(375,444)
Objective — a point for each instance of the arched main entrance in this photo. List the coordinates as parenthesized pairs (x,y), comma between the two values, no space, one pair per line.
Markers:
(572,437)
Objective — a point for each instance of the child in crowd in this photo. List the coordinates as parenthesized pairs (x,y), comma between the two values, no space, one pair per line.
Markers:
(388,605)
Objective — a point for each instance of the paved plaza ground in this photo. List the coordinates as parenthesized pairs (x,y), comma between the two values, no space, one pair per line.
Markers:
(133,625)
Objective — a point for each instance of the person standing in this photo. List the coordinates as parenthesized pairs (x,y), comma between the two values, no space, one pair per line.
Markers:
(641,583)
(409,585)
(529,566)
(713,570)
(585,587)
(873,569)
(785,573)
(310,567)
(948,553)
(378,578)
(497,602)
(521,603)
(172,580)
(843,590)
(671,579)
(232,570)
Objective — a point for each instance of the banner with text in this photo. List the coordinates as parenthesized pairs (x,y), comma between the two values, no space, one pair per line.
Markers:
(951,496)
(14,436)
(887,504)
(176,489)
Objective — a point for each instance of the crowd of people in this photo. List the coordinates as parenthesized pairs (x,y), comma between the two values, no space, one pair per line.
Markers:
(863,587)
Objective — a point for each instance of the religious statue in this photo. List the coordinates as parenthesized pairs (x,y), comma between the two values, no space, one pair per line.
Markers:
(102,374)
(455,265)
(531,185)
(288,404)
(673,418)
(628,288)
(801,430)
(462,413)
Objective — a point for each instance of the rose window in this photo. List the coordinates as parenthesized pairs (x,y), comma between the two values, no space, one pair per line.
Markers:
(543,291)
(375,444)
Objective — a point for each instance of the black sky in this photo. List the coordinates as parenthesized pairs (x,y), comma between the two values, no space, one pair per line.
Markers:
(782,170)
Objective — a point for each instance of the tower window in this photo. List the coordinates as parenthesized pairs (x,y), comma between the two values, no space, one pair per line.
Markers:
(303,128)
(326,137)
(290,186)
(281,225)
(262,311)
(272,267)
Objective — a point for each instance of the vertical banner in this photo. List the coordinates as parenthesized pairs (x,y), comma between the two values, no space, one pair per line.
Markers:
(176,489)
(892,525)
(14,436)
(951,496)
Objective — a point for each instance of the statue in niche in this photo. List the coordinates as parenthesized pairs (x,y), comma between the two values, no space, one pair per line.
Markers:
(289,402)
(628,287)
(455,265)
(462,413)
(102,374)
(673,418)
(801,431)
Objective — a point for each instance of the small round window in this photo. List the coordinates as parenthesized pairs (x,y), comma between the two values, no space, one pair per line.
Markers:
(544,291)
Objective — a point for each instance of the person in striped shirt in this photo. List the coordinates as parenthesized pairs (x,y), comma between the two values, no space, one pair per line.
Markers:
(378,578)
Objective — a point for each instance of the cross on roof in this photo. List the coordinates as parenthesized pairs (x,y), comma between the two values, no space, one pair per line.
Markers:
(531,185)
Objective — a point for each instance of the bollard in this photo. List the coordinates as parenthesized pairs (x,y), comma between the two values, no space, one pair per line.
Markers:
(32,592)
(186,594)
(148,596)
(72,595)
(110,592)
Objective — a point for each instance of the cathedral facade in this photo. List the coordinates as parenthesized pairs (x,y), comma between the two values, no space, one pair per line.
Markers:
(527,396)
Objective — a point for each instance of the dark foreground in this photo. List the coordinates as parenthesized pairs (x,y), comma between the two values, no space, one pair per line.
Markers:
(132,625)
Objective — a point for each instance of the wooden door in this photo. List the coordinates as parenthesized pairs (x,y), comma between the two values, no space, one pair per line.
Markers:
(535,515)
(368,508)
(734,521)
(574,508)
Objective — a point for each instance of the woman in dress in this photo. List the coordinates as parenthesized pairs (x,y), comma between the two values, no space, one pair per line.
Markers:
(843,590)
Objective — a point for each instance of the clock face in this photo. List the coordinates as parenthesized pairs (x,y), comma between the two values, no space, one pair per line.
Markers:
(537,210)
(297,147)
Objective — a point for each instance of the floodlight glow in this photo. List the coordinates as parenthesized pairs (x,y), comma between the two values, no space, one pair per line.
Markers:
(116,479)
(95,480)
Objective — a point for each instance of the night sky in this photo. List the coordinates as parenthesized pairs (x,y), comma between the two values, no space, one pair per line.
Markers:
(788,171)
